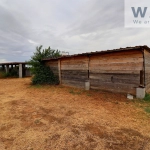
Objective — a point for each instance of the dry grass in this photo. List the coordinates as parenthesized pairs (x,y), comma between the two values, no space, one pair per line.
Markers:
(63,118)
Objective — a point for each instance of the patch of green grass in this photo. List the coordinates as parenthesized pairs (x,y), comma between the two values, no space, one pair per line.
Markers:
(88,94)
(71,91)
(147,97)
(147,109)
(74,92)
(78,93)
(38,86)
(143,103)
(35,86)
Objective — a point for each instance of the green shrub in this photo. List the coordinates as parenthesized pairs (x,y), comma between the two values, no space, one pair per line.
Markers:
(147,97)
(2,74)
(44,75)
(12,73)
(147,109)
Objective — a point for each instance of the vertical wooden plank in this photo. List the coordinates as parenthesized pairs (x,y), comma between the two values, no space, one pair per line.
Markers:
(147,69)
(142,77)
(59,70)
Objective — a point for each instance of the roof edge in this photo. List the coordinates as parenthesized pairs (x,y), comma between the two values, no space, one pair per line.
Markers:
(102,52)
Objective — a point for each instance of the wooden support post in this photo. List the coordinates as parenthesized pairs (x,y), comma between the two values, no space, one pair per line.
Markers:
(59,70)
(142,77)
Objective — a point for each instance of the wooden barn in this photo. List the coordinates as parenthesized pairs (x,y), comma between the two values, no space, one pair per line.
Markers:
(119,70)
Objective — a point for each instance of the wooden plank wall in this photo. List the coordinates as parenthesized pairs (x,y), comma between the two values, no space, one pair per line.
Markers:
(74,71)
(147,69)
(117,71)
(53,64)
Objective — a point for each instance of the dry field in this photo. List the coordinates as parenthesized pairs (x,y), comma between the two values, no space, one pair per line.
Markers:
(63,118)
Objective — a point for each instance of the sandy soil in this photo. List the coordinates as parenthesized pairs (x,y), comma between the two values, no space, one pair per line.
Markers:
(63,118)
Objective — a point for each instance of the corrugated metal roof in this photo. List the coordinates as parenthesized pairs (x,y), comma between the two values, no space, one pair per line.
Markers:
(13,63)
(102,52)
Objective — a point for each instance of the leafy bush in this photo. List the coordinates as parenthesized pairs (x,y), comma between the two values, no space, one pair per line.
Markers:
(44,75)
(147,97)
(147,109)
(12,73)
(41,73)
(2,74)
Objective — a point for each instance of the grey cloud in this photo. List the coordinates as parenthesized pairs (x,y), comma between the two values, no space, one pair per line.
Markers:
(13,35)
(9,23)
(102,16)
(72,25)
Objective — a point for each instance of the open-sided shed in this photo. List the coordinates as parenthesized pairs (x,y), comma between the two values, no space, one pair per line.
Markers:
(119,70)
(19,66)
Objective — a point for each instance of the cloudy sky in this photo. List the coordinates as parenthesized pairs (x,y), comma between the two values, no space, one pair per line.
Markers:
(74,26)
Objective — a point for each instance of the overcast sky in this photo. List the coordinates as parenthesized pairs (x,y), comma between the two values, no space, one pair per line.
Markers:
(74,26)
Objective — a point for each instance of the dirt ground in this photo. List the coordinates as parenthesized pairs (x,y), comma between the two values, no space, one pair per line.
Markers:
(64,118)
